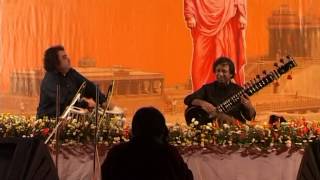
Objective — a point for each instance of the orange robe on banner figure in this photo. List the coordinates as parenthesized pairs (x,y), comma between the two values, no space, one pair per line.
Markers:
(218,29)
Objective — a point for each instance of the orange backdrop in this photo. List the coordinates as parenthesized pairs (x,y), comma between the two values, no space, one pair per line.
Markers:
(144,34)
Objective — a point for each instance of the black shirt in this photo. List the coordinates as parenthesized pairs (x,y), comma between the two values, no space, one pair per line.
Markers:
(141,159)
(69,85)
(216,93)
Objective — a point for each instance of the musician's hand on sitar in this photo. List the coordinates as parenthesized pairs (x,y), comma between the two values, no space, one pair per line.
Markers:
(245,100)
(208,107)
(223,118)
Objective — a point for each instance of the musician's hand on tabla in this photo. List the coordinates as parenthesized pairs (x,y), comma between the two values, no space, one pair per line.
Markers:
(91,103)
(110,105)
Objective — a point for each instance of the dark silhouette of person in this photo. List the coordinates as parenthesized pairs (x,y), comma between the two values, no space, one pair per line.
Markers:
(148,155)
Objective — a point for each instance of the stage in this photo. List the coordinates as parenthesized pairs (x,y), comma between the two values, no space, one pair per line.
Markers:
(76,162)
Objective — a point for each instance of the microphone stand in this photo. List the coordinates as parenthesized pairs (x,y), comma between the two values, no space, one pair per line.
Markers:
(108,99)
(66,111)
(57,122)
(98,121)
(96,129)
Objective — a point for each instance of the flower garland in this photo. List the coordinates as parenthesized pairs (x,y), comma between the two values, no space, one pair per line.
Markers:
(72,132)
(252,138)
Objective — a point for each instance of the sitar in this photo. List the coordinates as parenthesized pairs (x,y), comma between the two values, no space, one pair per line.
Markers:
(255,85)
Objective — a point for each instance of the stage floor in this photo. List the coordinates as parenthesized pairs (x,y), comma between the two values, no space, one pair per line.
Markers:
(171,104)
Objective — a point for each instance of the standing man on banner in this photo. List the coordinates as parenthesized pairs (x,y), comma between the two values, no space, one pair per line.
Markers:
(218,29)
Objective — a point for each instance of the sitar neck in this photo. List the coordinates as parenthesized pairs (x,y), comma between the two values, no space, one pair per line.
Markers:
(257,84)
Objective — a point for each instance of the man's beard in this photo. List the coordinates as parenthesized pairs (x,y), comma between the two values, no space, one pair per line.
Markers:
(223,82)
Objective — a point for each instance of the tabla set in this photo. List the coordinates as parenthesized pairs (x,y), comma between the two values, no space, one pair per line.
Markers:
(82,114)
(102,113)
(98,115)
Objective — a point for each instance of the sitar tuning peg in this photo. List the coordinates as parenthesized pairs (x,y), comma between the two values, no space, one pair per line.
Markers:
(282,61)
(248,84)
(290,58)
(264,72)
(258,76)
(276,65)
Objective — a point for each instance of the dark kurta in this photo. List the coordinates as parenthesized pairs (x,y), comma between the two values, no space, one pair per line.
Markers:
(216,93)
(144,160)
(69,85)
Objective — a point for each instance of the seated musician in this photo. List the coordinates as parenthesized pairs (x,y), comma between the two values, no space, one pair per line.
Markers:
(212,94)
(59,71)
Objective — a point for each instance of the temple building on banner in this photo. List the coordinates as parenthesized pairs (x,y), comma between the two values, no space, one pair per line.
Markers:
(127,81)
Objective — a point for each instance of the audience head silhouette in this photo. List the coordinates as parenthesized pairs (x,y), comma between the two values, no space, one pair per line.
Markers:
(148,122)
(148,155)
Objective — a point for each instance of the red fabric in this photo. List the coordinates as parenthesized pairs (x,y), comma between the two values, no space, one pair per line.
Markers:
(217,33)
